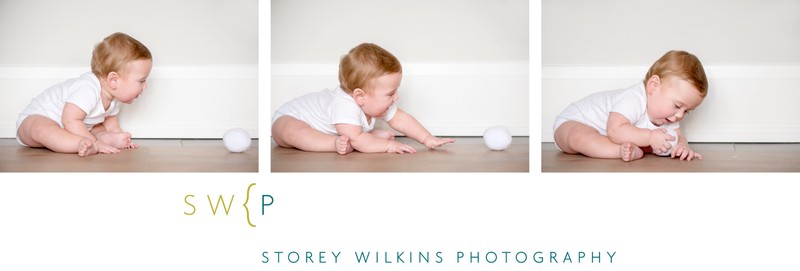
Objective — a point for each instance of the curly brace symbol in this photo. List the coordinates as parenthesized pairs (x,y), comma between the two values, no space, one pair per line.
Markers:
(247,198)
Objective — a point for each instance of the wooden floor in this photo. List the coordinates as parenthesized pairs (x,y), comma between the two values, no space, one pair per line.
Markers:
(172,155)
(468,154)
(717,157)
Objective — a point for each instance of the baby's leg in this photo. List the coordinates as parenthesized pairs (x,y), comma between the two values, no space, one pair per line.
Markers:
(342,145)
(117,140)
(574,137)
(629,152)
(86,147)
(289,132)
(38,131)
(382,134)
(120,140)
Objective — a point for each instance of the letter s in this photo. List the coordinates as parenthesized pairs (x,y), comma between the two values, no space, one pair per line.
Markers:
(186,199)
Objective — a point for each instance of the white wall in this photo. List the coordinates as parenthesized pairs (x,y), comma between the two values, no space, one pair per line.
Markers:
(204,79)
(750,49)
(465,61)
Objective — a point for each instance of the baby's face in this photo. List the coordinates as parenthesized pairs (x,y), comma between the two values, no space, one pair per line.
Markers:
(134,81)
(384,93)
(671,100)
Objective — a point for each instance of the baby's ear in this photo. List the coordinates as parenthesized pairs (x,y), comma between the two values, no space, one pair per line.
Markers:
(652,83)
(112,79)
(358,95)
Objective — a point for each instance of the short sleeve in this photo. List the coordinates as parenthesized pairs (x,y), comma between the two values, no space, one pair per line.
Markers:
(84,97)
(629,105)
(345,112)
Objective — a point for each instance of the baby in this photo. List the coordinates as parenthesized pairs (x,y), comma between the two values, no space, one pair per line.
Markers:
(343,119)
(627,123)
(79,115)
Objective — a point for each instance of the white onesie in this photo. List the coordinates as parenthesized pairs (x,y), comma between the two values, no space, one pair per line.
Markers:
(593,110)
(324,109)
(83,92)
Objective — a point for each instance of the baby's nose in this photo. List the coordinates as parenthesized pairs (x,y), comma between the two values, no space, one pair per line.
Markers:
(679,115)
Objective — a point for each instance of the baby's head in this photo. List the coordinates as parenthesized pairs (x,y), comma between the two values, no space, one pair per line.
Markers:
(123,64)
(675,84)
(364,63)
(372,76)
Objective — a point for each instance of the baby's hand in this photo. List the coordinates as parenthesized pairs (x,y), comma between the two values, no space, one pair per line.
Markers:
(399,148)
(433,142)
(659,140)
(683,151)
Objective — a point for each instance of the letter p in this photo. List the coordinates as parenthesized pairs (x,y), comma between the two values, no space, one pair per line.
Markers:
(266,200)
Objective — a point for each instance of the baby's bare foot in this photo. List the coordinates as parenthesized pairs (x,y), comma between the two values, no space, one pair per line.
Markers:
(132,145)
(629,152)
(119,140)
(86,147)
(342,145)
(382,134)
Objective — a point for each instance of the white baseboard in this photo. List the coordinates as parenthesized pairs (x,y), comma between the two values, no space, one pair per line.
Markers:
(744,103)
(180,102)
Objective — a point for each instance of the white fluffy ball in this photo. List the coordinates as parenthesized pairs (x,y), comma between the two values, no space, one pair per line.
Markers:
(236,140)
(673,143)
(497,138)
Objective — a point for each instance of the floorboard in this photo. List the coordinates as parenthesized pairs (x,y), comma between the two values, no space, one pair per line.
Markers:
(171,155)
(717,157)
(468,154)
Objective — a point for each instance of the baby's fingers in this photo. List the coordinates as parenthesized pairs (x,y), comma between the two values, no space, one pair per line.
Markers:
(686,154)
(403,148)
(663,148)
(439,142)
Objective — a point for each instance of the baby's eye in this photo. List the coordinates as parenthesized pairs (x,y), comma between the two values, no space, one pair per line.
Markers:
(677,106)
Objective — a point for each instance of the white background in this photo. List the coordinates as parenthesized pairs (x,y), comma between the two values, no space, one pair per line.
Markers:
(465,62)
(205,60)
(748,48)
(657,221)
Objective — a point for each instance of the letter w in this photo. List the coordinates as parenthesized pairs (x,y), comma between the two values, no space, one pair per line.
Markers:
(226,207)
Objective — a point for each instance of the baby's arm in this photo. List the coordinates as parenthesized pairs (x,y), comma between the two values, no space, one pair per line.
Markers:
(682,149)
(368,143)
(409,126)
(620,130)
(72,119)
